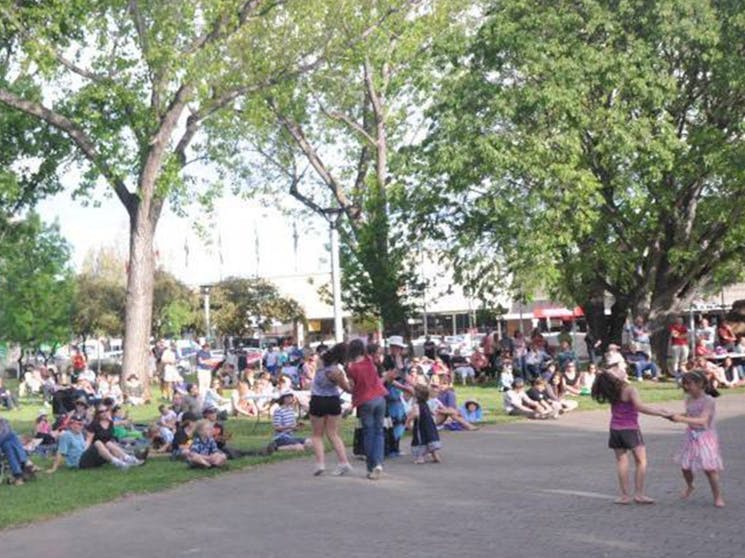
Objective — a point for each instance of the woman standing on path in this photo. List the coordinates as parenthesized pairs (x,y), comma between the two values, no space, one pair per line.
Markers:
(368,395)
(325,408)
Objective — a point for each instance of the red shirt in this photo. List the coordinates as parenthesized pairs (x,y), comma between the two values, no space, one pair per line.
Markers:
(367,384)
(682,338)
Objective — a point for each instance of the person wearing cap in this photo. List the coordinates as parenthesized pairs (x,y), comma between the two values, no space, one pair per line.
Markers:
(517,403)
(394,375)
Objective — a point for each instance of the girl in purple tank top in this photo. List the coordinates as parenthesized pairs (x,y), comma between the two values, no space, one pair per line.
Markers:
(625,435)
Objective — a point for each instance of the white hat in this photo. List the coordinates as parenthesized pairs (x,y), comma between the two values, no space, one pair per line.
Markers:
(396,341)
(613,358)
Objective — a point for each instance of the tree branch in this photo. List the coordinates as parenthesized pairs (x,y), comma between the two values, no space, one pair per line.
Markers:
(93,76)
(297,134)
(78,136)
(339,116)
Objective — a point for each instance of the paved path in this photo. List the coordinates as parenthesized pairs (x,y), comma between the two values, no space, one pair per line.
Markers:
(530,489)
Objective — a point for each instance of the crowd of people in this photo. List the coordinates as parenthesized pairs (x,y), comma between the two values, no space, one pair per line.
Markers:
(392,391)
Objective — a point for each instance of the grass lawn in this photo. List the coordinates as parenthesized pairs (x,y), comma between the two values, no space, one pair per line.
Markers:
(66,490)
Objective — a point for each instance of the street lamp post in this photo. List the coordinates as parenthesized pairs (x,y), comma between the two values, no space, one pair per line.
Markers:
(332,216)
(206,293)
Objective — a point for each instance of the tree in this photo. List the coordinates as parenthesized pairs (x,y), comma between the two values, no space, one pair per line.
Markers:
(30,154)
(597,146)
(175,306)
(241,306)
(341,128)
(131,85)
(36,288)
(98,307)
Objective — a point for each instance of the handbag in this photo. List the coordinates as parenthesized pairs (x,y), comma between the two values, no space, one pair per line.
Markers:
(358,445)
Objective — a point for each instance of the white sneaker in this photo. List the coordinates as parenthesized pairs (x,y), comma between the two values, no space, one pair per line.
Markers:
(342,470)
(119,464)
(132,460)
(375,473)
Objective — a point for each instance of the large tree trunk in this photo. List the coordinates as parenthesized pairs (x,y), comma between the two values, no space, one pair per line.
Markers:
(617,319)
(664,307)
(139,305)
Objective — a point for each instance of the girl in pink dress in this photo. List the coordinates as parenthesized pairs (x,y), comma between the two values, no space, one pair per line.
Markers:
(700,448)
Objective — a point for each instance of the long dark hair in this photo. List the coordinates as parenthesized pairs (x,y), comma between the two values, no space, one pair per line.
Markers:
(335,355)
(607,388)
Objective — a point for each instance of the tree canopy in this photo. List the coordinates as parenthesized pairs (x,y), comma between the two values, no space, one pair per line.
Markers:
(36,287)
(340,128)
(595,146)
(131,85)
(242,306)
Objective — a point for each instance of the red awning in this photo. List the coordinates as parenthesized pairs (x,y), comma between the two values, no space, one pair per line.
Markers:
(558,313)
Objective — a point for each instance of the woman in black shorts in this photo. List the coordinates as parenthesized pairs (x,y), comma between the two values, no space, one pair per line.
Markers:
(325,408)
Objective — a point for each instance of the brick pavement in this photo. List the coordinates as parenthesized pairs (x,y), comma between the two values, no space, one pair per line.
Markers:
(530,489)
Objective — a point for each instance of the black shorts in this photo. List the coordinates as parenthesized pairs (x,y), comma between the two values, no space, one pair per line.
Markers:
(625,439)
(91,459)
(325,406)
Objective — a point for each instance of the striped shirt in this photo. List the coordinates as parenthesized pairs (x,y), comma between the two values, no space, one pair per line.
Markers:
(284,417)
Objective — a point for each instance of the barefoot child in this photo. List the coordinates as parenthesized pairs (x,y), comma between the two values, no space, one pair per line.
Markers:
(625,434)
(425,439)
(700,449)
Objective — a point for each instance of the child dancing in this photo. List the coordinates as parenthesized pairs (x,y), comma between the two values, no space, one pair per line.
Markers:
(700,448)
(625,435)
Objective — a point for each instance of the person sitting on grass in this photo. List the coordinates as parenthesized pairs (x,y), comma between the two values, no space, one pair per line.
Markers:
(241,401)
(101,441)
(546,405)
(134,391)
(587,379)
(43,430)
(184,436)
(517,403)
(471,411)
(204,452)
(285,424)
(20,465)
(6,397)
(123,429)
(213,397)
(81,452)
(444,406)
(571,377)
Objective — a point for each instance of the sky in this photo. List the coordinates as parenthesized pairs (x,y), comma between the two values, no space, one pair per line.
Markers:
(181,251)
